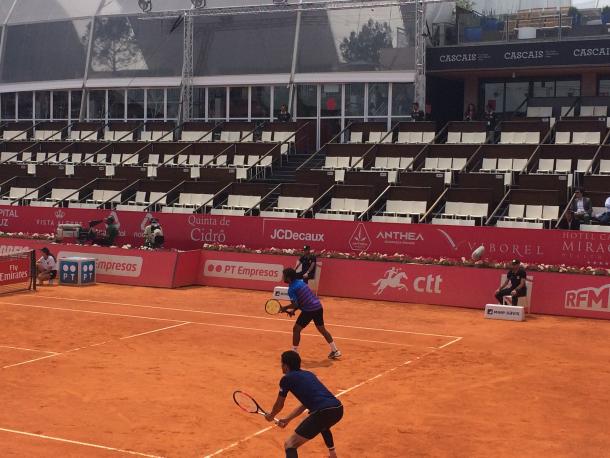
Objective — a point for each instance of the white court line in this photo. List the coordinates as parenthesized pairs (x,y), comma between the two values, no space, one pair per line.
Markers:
(339,394)
(202,323)
(85,444)
(243,316)
(154,330)
(30,361)
(457,339)
(92,345)
(26,349)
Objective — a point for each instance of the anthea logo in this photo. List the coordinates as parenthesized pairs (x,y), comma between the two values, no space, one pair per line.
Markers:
(597,299)
(360,240)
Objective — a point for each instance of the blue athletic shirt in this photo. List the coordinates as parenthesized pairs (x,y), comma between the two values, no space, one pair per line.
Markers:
(303,297)
(308,390)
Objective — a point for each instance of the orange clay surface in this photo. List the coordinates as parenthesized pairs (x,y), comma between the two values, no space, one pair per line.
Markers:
(110,371)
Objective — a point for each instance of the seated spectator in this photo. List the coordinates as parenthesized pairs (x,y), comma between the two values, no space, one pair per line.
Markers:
(416,113)
(283,115)
(153,235)
(604,218)
(471,113)
(569,222)
(581,206)
(46,267)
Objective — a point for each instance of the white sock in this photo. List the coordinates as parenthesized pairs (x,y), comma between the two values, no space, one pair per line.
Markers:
(295,348)
(333,347)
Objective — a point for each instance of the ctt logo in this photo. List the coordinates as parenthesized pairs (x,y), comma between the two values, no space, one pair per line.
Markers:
(597,299)
(360,240)
(395,278)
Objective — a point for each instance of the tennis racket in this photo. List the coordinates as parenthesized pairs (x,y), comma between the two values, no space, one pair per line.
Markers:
(248,404)
(273,307)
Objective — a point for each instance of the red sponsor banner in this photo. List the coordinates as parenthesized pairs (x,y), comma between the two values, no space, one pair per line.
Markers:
(14,270)
(584,296)
(185,232)
(548,293)
(113,265)
(239,270)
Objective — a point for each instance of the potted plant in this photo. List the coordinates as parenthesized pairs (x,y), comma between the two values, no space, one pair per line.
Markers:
(606,15)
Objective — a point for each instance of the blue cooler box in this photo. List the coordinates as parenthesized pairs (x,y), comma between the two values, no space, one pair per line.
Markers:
(76,271)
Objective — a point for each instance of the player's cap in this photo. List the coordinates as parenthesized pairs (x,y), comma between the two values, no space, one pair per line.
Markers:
(515,262)
(306,248)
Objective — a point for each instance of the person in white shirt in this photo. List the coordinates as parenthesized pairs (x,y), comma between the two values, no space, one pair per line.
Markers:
(46,267)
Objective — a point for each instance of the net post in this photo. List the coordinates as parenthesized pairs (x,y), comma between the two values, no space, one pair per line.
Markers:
(33,270)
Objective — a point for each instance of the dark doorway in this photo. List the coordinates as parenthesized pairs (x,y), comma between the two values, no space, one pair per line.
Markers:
(446,99)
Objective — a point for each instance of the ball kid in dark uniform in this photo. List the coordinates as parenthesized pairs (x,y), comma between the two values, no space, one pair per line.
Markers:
(306,266)
(516,277)
(325,410)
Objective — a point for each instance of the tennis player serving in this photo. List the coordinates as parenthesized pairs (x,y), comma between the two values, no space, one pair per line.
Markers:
(325,410)
(304,299)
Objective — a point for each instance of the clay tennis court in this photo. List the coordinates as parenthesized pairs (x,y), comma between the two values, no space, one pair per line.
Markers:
(126,371)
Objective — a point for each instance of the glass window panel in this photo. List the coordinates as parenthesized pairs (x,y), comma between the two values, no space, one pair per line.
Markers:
(281,94)
(39,43)
(358,39)
(261,101)
(217,103)
(135,103)
(402,99)
(43,105)
(5,8)
(515,96)
(494,95)
(25,107)
(378,99)
(97,105)
(60,104)
(544,89)
(604,89)
(116,104)
(567,88)
(238,102)
(129,47)
(307,101)
(199,103)
(8,105)
(76,98)
(155,104)
(45,10)
(173,103)
(354,99)
(331,100)
(244,44)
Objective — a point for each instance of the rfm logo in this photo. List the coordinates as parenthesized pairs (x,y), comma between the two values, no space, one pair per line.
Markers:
(589,299)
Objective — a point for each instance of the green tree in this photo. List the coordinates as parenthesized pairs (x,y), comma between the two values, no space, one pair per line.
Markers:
(366,45)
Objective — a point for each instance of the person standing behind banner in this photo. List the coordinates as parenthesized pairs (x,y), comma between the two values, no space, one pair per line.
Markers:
(153,235)
(306,265)
(46,267)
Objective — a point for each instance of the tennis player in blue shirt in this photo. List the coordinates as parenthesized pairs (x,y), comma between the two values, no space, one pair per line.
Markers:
(325,410)
(304,299)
